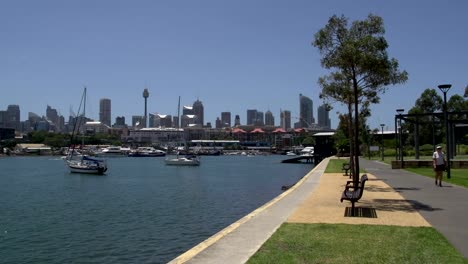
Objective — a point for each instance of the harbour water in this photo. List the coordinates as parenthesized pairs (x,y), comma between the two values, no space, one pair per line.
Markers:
(141,211)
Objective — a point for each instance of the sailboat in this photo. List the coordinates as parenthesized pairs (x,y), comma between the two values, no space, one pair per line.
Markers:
(83,163)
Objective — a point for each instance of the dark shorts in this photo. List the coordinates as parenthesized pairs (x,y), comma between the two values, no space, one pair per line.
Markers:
(440,167)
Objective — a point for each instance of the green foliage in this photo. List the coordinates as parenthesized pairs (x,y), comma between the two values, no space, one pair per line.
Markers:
(344,243)
(458,176)
(308,141)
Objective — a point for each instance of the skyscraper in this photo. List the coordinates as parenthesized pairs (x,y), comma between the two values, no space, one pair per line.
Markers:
(285,122)
(52,115)
(225,119)
(105,111)
(260,120)
(237,120)
(13,117)
(269,118)
(323,117)
(306,118)
(251,116)
(198,111)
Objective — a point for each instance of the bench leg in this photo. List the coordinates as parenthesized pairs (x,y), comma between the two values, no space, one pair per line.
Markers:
(352,209)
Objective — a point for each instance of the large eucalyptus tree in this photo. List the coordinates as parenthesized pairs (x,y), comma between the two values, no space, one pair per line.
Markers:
(360,68)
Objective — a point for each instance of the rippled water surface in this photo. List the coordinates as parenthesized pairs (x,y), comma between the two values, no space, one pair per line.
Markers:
(141,211)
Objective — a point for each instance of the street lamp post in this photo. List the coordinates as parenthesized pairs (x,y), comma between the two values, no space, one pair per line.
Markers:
(368,143)
(382,125)
(445,88)
(400,111)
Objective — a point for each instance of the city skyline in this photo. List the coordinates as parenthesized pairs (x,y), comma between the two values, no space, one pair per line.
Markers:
(260,118)
(232,55)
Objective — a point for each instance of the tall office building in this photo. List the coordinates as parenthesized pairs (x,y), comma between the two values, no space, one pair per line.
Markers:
(237,121)
(105,111)
(323,117)
(285,122)
(225,119)
(251,116)
(52,115)
(218,123)
(13,117)
(260,120)
(187,110)
(120,121)
(198,111)
(138,121)
(269,118)
(306,112)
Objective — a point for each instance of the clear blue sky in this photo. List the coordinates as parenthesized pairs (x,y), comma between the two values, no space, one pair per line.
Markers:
(232,55)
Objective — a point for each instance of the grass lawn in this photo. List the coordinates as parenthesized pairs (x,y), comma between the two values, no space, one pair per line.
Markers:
(336,165)
(458,176)
(342,243)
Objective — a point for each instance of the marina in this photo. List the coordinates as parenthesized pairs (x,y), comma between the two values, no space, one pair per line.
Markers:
(140,211)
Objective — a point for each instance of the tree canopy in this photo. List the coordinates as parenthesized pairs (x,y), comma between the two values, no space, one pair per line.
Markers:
(360,68)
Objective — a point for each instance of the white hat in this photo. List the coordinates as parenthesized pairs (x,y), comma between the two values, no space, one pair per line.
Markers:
(439,147)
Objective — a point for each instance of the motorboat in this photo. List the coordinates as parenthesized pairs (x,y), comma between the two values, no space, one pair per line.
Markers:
(189,160)
(307,151)
(146,152)
(112,151)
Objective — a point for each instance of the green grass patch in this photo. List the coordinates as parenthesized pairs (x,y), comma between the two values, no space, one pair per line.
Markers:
(336,165)
(458,176)
(342,243)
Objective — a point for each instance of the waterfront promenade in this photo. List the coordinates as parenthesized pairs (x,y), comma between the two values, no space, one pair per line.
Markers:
(397,197)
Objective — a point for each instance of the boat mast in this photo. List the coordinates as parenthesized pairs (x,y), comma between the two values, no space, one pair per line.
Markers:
(83,117)
(178,114)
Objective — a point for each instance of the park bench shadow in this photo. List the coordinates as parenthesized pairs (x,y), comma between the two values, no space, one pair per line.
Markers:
(393,205)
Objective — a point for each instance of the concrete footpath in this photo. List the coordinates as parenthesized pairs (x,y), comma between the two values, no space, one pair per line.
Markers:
(395,197)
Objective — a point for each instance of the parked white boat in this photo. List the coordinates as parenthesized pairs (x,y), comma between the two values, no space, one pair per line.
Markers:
(112,151)
(183,161)
(307,151)
(146,152)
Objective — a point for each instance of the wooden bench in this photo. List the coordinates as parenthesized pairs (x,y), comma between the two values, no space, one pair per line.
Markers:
(346,168)
(354,193)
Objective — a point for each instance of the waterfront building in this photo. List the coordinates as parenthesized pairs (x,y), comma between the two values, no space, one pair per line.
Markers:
(323,117)
(156,135)
(3,119)
(237,121)
(225,119)
(105,111)
(269,118)
(306,114)
(96,127)
(285,117)
(251,116)
(198,111)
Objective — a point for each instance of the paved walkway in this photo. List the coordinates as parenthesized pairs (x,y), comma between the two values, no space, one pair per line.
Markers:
(396,197)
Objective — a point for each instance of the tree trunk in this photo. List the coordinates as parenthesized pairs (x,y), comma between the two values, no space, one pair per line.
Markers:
(356,132)
(350,131)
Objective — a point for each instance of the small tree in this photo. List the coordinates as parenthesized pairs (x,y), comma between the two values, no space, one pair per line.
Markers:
(361,69)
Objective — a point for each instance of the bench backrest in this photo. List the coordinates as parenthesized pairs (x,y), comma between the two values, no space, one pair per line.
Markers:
(360,188)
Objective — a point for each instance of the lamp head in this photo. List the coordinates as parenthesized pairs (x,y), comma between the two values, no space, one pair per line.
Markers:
(445,87)
(400,111)
(382,125)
